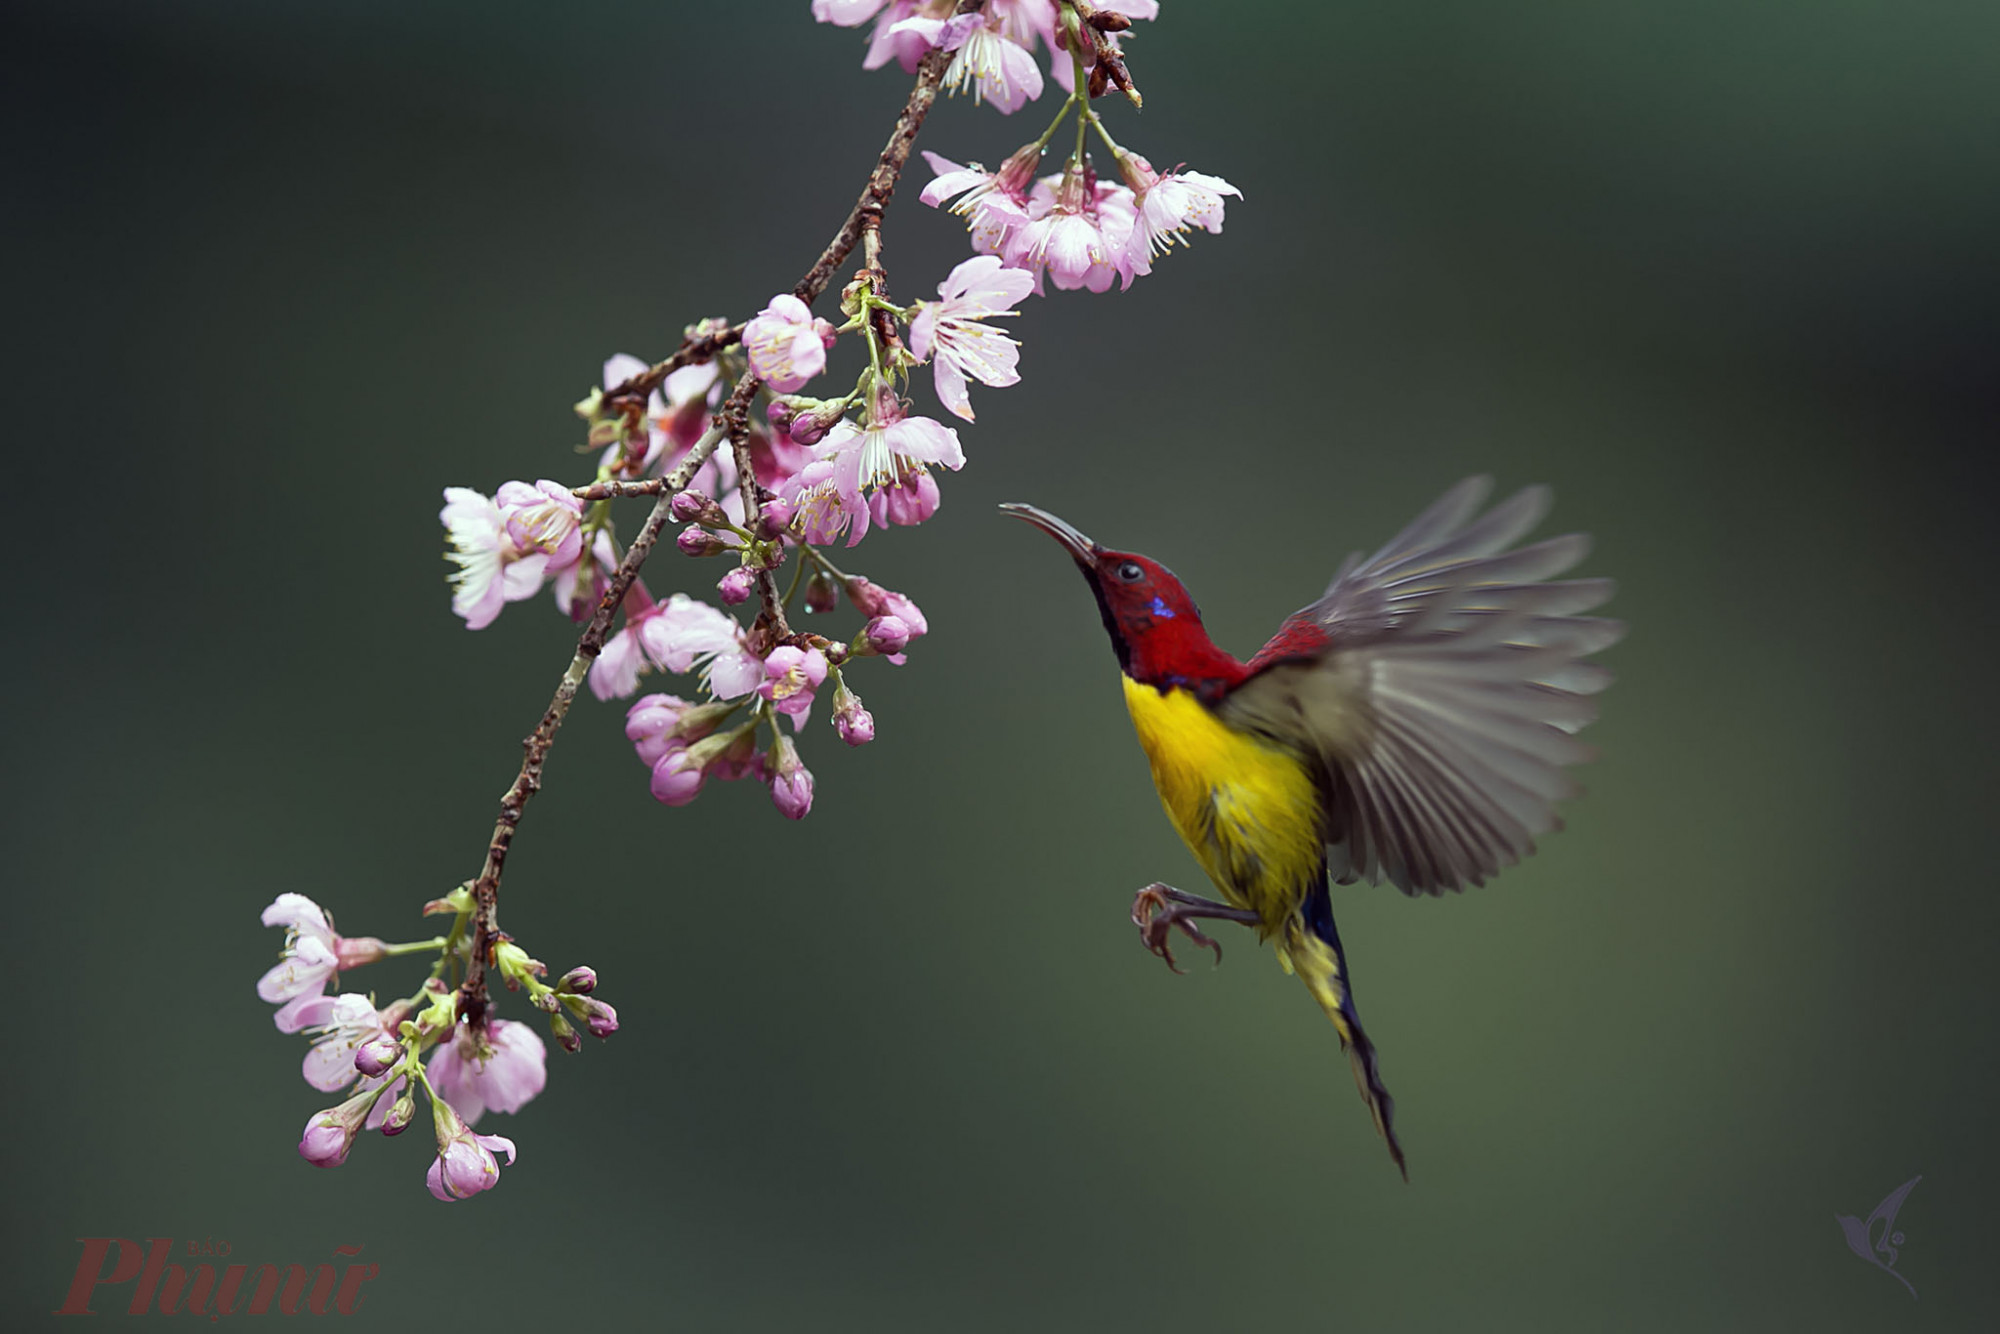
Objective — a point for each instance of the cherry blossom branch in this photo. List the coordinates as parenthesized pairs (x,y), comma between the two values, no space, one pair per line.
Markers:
(486,889)
(808,472)
(732,421)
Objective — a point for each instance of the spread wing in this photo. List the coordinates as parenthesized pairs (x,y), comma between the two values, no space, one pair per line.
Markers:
(1440,682)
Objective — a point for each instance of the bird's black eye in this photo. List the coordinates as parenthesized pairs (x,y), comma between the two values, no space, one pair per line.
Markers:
(1130,572)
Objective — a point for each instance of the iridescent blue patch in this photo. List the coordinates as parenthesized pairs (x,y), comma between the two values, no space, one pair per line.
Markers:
(1161,610)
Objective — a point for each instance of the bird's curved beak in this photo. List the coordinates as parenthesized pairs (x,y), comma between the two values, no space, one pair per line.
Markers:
(1079,546)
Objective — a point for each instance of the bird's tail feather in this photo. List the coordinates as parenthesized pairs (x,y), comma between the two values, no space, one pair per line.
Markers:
(1312,949)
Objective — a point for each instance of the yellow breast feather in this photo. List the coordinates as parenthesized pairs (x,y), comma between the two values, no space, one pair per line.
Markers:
(1247,809)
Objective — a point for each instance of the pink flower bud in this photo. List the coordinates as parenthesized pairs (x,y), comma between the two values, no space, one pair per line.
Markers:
(827,335)
(330,1134)
(777,517)
(566,1036)
(652,723)
(375,1058)
(581,980)
(872,599)
(822,593)
(791,781)
(599,1018)
(465,1164)
(883,634)
(353,951)
(737,586)
(695,541)
(676,780)
(324,1144)
(856,726)
(401,1113)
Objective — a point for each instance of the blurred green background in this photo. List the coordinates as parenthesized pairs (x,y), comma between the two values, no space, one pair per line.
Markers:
(1722,273)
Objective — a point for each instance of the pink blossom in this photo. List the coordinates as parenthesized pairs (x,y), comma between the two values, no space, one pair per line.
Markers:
(1079,235)
(887,43)
(616,672)
(677,412)
(787,346)
(892,451)
(543,519)
(578,598)
(505,546)
(1166,206)
(346,1022)
(312,954)
(907,501)
(687,634)
(846,13)
(791,781)
(999,67)
(791,676)
(465,1164)
(492,570)
(960,345)
(504,1076)
(675,636)
(993,204)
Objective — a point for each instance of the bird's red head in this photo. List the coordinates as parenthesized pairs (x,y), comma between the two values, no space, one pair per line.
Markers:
(1155,627)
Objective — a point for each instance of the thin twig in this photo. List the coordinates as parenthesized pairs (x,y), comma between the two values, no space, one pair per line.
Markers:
(733,422)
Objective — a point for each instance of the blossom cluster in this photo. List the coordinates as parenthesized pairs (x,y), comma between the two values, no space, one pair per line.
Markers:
(380,1058)
(829,467)
(771,479)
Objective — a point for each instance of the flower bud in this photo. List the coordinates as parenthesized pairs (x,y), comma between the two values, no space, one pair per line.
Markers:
(784,407)
(353,951)
(325,1142)
(883,634)
(581,980)
(376,1057)
(676,778)
(871,599)
(822,593)
(791,781)
(566,1036)
(694,507)
(330,1133)
(599,1018)
(777,517)
(695,541)
(736,587)
(401,1113)
(855,724)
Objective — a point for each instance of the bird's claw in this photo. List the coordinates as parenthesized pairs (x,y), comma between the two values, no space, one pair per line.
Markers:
(1157,916)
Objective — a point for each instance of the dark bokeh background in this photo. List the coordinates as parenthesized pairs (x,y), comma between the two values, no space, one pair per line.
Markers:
(1723,273)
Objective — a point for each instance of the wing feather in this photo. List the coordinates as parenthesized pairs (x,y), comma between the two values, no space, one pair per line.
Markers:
(1440,684)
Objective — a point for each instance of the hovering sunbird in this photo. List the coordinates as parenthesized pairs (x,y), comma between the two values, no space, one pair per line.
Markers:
(1411,726)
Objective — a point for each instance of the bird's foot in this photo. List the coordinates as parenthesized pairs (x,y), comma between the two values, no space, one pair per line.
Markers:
(1159,909)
